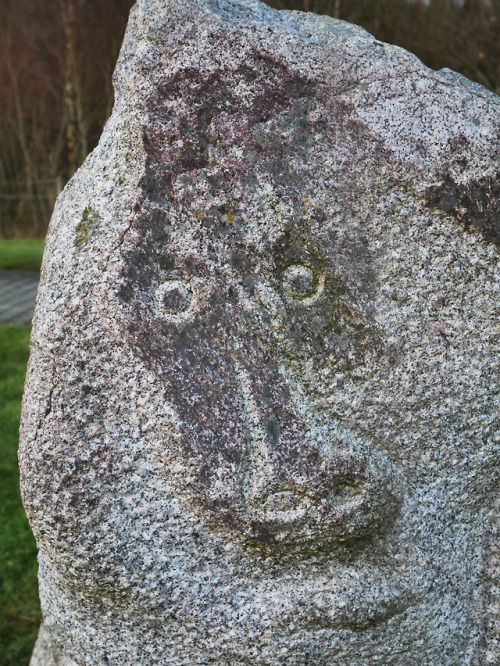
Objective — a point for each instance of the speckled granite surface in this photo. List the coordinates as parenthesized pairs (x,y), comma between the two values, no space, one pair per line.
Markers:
(261,407)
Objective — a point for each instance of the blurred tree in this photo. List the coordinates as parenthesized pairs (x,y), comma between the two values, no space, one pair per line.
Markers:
(56,61)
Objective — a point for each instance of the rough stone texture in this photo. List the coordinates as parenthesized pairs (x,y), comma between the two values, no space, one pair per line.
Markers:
(260,413)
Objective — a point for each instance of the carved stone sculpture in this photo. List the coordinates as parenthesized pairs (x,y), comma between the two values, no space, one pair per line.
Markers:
(261,407)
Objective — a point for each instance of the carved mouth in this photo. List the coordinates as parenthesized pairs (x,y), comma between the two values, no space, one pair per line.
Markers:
(345,596)
(285,506)
(371,608)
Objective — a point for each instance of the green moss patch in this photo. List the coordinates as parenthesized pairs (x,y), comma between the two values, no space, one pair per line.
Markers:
(87,226)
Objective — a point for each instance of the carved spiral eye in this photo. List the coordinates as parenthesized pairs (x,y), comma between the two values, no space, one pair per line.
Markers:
(300,282)
(174,297)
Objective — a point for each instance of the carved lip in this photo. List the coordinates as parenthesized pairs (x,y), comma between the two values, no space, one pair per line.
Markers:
(353,617)
(346,596)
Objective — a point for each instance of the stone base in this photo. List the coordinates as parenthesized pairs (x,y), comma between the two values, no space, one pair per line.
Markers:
(45,653)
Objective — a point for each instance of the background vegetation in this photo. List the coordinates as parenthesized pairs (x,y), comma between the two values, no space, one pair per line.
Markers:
(19,607)
(56,61)
(57,56)
(21,255)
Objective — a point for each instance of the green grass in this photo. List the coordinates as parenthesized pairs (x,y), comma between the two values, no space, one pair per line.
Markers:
(21,255)
(19,605)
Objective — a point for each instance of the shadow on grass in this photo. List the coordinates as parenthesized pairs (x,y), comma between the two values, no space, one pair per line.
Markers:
(19,604)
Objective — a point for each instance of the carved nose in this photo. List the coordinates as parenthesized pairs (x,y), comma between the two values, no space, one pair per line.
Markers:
(325,506)
(285,506)
(307,480)
(345,492)
(291,505)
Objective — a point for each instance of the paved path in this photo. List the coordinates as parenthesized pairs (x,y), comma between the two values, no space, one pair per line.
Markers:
(17,296)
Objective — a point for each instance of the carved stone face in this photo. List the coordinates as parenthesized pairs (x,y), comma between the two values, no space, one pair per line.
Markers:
(239,287)
(259,419)
(273,295)
(233,327)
